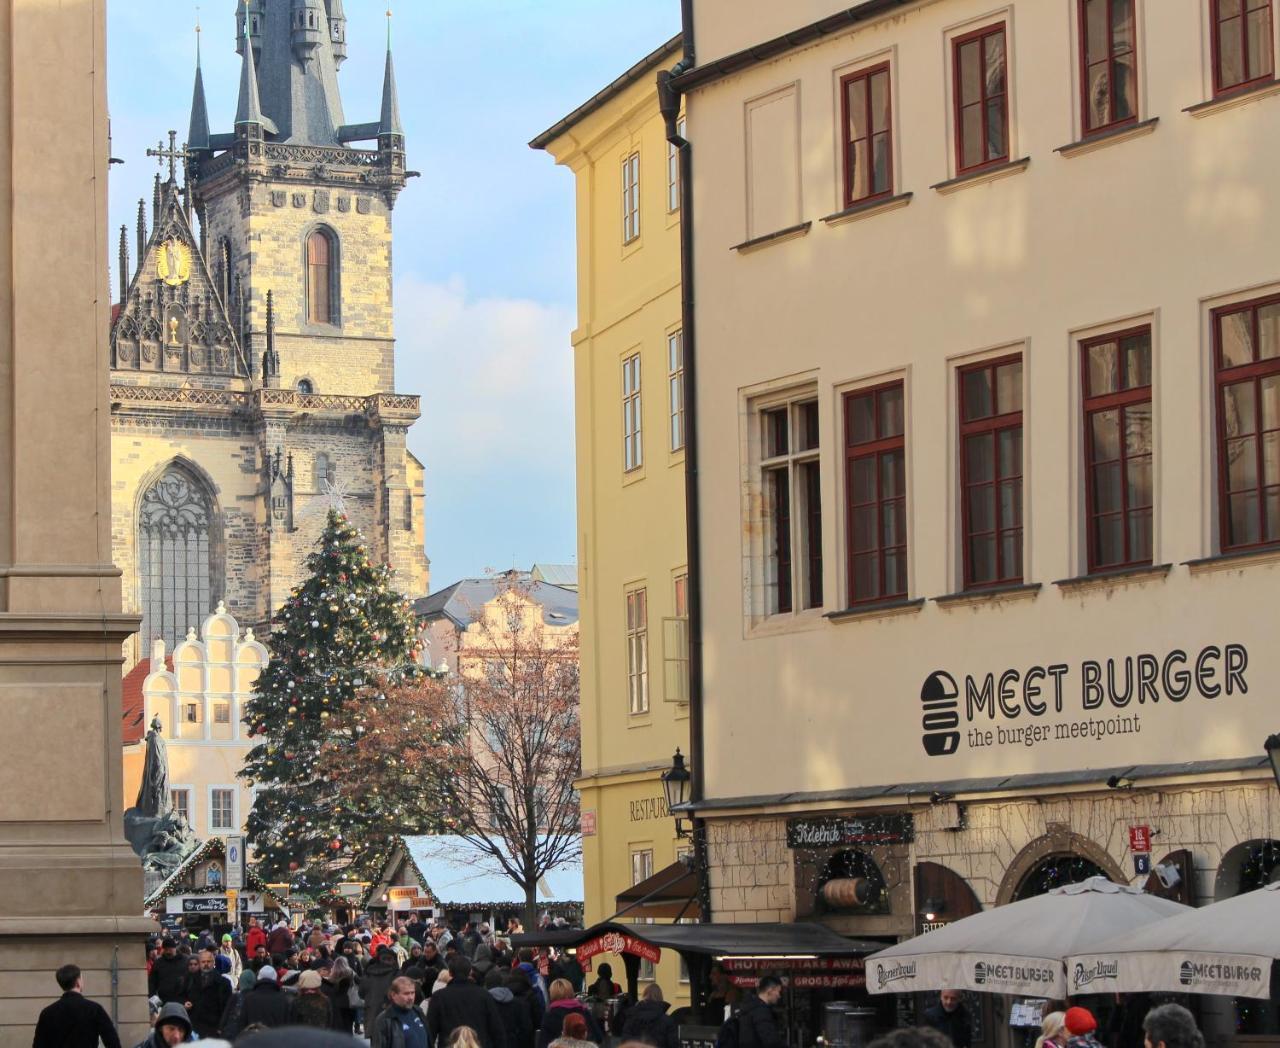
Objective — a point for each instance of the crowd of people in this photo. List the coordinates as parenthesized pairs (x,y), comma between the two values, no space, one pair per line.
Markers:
(422,984)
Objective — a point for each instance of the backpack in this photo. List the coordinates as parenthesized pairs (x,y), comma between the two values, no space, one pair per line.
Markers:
(730,1035)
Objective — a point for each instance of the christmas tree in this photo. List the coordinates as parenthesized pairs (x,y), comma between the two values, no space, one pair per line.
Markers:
(343,636)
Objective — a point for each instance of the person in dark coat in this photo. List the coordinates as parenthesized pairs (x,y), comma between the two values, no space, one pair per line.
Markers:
(757,1025)
(463,1003)
(400,1025)
(168,978)
(74,1021)
(951,1018)
(516,1019)
(247,981)
(311,1007)
(649,1022)
(280,940)
(518,983)
(374,986)
(338,984)
(563,1002)
(207,997)
(266,1004)
(173,1027)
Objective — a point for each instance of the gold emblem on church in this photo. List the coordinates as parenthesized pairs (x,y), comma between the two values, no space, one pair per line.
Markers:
(173,262)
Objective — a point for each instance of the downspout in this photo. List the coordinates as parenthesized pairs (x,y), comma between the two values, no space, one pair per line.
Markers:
(669,103)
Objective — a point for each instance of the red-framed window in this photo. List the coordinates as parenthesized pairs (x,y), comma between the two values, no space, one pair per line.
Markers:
(1116,376)
(868,134)
(1108,64)
(981,91)
(1243,51)
(1247,366)
(876,493)
(991,472)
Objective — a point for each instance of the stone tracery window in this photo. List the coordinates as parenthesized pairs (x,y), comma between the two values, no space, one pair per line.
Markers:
(175,556)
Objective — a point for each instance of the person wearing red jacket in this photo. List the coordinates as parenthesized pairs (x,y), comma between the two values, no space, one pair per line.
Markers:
(253,938)
(280,939)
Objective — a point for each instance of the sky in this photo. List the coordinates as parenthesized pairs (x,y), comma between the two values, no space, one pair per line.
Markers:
(484,240)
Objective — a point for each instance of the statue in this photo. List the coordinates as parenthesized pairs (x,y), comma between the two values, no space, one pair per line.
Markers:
(160,836)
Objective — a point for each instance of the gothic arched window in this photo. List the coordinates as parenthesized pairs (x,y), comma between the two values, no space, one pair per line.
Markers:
(175,555)
(322,277)
(324,470)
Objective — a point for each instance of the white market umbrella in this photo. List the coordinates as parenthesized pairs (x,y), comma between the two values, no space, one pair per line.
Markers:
(1019,948)
(1224,948)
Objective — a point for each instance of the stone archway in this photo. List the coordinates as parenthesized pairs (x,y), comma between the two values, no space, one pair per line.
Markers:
(1058,841)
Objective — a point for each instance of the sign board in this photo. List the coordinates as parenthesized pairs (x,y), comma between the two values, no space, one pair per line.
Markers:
(235,861)
(587,823)
(800,973)
(1142,864)
(616,942)
(1139,838)
(408,897)
(843,832)
(249,903)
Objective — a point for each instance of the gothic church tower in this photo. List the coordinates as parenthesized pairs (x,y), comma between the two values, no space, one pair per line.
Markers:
(252,362)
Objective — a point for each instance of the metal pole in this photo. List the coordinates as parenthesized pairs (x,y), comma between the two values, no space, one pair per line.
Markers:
(115,985)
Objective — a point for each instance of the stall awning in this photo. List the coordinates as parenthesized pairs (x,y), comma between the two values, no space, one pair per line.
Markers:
(671,892)
(716,940)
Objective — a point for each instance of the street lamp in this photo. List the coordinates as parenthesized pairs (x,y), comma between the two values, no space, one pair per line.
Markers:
(675,784)
(1272,746)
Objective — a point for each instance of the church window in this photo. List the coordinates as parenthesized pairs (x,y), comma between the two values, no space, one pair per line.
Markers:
(175,556)
(306,387)
(322,278)
(325,470)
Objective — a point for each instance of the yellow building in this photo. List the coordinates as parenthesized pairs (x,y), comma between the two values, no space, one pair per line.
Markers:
(628,362)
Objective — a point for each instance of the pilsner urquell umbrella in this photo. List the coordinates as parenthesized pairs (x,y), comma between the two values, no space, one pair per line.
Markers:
(1224,948)
(1019,948)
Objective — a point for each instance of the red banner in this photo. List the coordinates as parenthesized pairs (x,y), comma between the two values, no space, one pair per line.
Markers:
(616,942)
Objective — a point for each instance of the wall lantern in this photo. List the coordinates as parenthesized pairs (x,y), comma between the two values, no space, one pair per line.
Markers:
(675,784)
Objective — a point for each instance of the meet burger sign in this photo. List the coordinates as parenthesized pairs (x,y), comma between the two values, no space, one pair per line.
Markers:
(990,973)
(1230,975)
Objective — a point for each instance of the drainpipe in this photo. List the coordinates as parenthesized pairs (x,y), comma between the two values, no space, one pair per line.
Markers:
(669,103)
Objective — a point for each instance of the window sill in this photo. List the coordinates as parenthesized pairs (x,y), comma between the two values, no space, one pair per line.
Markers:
(790,233)
(1119,576)
(633,476)
(1230,100)
(1108,137)
(867,208)
(982,175)
(991,595)
(640,720)
(880,609)
(1231,561)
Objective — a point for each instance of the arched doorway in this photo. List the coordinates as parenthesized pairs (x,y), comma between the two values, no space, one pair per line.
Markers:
(1055,871)
(1245,868)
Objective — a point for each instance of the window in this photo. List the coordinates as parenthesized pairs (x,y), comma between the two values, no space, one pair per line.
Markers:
(180,801)
(675,387)
(323,471)
(632,445)
(642,870)
(675,645)
(631,198)
(1117,444)
(868,135)
(793,507)
(222,809)
(875,481)
(322,283)
(673,171)
(1108,60)
(681,587)
(637,651)
(222,713)
(175,556)
(191,712)
(991,472)
(981,98)
(1242,45)
(1247,350)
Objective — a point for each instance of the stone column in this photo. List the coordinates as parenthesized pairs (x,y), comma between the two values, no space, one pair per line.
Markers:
(70,887)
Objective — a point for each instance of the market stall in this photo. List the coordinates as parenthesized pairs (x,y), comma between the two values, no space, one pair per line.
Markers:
(195,896)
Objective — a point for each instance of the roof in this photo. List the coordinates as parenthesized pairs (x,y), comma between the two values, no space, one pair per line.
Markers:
(133,704)
(565,575)
(719,940)
(462,602)
(459,875)
(602,98)
(213,848)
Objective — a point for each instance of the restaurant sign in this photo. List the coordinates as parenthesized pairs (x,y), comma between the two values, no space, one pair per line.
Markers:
(617,942)
(840,832)
(800,973)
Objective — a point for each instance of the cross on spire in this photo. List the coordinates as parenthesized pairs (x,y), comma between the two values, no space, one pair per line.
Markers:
(173,154)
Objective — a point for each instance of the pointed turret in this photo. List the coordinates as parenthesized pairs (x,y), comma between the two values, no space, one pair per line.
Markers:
(124,263)
(337,31)
(198,132)
(249,107)
(390,123)
(142,227)
(270,359)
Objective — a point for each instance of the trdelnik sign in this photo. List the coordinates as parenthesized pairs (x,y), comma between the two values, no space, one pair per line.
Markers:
(1228,975)
(1041,706)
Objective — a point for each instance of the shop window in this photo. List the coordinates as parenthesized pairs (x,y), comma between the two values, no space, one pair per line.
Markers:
(991,472)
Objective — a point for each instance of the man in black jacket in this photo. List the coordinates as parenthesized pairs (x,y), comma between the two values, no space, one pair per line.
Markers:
(649,1022)
(950,1017)
(207,997)
(757,1026)
(463,1003)
(374,986)
(168,978)
(74,1021)
(266,1003)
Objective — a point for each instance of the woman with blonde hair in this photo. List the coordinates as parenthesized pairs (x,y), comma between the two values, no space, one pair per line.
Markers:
(563,1004)
(1053,1031)
(463,1037)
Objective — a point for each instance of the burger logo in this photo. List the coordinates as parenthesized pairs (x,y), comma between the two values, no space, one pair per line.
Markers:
(1186,973)
(940,699)
(980,973)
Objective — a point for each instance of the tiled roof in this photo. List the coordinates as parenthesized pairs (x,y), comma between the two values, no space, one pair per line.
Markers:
(134,711)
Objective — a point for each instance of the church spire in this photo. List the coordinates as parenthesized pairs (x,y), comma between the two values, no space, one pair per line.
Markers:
(390,123)
(249,108)
(198,133)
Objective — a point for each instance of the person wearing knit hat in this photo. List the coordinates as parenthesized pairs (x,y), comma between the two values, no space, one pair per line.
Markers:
(311,1007)
(263,1003)
(1081,1025)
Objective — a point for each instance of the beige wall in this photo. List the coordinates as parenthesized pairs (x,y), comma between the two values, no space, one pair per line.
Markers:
(1157,228)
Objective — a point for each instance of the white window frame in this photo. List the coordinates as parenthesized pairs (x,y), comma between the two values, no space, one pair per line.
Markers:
(632,414)
(673,171)
(637,651)
(675,389)
(631,197)
(190,792)
(214,828)
(645,854)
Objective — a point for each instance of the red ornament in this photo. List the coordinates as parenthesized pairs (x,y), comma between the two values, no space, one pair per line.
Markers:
(293,866)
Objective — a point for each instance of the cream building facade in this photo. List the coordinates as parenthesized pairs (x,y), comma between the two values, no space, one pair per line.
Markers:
(70,887)
(629,387)
(989,372)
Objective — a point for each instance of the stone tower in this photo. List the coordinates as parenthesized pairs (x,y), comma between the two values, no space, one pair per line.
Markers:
(253,362)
